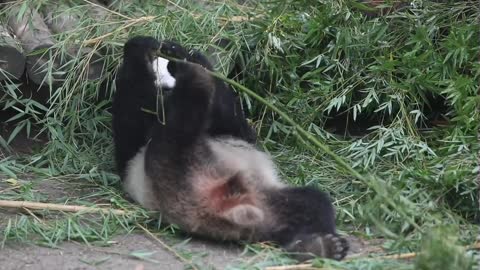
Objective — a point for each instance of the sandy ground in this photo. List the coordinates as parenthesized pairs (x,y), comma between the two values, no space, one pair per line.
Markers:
(117,256)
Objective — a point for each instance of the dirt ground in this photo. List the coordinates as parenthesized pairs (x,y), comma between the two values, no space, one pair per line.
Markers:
(120,253)
(78,256)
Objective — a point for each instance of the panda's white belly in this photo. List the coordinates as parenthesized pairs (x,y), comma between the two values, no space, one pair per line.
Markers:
(238,155)
(136,182)
(231,155)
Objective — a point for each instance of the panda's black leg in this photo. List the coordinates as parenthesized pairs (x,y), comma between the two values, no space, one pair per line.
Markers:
(227,114)
(135,91)
(173,49)
(188,108)
(307,218)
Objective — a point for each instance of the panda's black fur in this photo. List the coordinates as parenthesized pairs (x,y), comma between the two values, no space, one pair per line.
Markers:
(199,166)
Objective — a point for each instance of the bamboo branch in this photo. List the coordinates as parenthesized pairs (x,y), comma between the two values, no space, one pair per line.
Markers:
(36,40)
(401,256)
(129,24)
(305,266)
(61,18)
(101,12)
(59,207)
(169,248)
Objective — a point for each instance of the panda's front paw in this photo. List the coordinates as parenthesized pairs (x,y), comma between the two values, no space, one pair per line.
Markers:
(196,76)
(174,50)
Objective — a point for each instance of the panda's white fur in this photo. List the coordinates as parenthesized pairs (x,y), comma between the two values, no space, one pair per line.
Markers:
(136,181)
(237,155)
(164,78)
(232,154)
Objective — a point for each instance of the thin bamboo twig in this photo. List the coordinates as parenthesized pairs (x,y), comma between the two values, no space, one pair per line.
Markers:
(401,256)
(304,266)
(34,216)
(131,23)
(167,247)
(107,10)
(58,207)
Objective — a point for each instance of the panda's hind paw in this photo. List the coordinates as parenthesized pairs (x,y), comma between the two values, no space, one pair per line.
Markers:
(309,246)
(336,247)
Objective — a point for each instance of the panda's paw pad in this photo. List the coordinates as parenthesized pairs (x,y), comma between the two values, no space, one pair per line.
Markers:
(336,247)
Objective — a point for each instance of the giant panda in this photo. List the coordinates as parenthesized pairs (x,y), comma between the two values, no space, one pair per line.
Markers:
(194,159)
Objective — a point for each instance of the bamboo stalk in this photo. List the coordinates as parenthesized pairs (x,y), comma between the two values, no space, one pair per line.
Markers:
(36,40)
(305,266)
(127,25)
(60,18)
(12,60)
(58,207)
(169,248)
(118,4)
